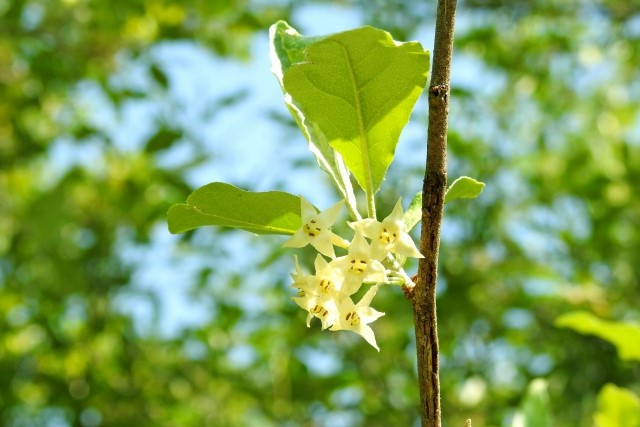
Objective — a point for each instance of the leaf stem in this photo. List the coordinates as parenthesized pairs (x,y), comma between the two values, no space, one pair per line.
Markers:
(371,205)
(341,178)
(423,295)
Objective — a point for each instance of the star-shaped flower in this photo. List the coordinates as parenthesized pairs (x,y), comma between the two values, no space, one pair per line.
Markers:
(300,280)
(321,306)
(356,317)
(387,236)
(358,266)
(327,281)
(317,293)
(316,229)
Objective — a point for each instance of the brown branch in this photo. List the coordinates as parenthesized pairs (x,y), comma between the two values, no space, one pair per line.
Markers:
(423,296)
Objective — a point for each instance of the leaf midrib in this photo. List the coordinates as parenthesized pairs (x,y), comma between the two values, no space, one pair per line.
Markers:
(240,222)
(364,141)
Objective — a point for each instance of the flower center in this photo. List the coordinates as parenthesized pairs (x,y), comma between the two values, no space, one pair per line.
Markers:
(311,228)
(386,237)
(353,318)
(319,310)
(326,286)
(358,265)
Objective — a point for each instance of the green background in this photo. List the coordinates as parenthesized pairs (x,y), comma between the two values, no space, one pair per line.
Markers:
(545,110)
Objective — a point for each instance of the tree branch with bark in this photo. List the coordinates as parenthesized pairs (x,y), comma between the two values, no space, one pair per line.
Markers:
(423,295)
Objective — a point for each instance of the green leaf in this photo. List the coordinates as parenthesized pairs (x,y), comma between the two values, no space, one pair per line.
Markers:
(463,188)
(535,409)
(162,139)
(413,214)
(159,76)
(357,88)
(617,407)
(218,203)
(287,47)
(624,336)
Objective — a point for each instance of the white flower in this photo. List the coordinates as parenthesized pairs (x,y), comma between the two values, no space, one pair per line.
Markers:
(327,281)
(358,266)
(317,293)
(316,229)
(356,317)
(300,280)
(321,306)
(387,236)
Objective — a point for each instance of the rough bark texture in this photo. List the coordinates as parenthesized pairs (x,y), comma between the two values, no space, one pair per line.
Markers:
(423,296)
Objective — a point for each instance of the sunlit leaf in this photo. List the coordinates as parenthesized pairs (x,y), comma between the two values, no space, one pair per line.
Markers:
(358,89)
(463,188)
(617,407)
(287,46)
(218,203)
(624,336)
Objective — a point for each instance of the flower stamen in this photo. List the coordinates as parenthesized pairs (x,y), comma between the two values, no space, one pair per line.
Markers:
(358,265)
(319,310)
(353,318)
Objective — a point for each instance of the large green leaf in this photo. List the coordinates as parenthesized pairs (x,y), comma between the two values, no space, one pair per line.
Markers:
(271,212)
(617,407)
(625,336)
(358,88)
(287,47)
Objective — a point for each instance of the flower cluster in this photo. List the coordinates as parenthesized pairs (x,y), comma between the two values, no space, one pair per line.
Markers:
(327,294)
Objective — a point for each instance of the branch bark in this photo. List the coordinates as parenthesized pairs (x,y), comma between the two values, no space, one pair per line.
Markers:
(423,295)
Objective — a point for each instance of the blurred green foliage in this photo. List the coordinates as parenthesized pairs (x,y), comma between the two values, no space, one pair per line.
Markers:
(545,110)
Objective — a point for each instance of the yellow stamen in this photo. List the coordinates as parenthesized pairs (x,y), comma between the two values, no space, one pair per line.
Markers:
(358,265)
(353,318)
(319,310)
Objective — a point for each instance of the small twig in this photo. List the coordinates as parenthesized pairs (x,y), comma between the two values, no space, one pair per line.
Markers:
(423,295)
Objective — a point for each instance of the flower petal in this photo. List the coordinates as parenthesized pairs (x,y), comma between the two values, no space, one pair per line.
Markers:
(405,246)
(298,240)
(366,332)
(323,246)
(375,272)
(307,210)
(365,301)
(397,215)
(328,217)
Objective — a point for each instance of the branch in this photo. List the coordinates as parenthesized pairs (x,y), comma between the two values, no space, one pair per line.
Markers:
(423,295)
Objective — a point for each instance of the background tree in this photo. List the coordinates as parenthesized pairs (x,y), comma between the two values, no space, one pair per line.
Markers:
(544,110)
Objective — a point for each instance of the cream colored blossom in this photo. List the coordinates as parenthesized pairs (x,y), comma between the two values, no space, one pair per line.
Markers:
(387,236)
(316,229)
(358,267)
(356,317)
